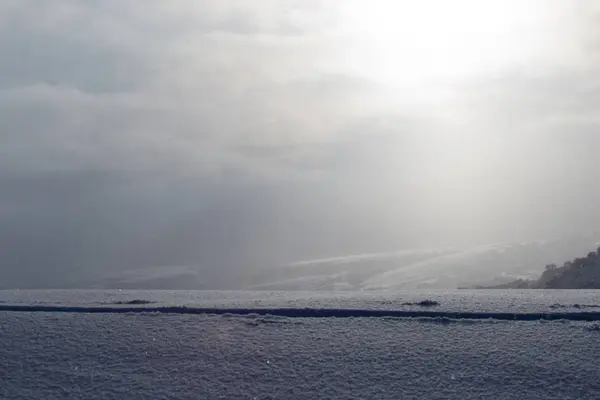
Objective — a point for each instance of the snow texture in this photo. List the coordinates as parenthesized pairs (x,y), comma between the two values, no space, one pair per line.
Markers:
(142,356)
(489,301)
(68,351)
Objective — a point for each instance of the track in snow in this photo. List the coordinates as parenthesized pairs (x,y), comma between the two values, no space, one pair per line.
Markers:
(309,312)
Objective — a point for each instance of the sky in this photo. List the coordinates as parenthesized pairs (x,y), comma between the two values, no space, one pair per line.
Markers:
(229,134)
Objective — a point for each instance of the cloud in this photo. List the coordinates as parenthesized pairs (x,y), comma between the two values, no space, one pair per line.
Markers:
(229,135)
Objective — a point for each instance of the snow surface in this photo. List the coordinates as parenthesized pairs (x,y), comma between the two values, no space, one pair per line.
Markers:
(516,301)
(57,354)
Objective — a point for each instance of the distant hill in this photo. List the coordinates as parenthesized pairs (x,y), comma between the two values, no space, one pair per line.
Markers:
(580,273)
(517,264)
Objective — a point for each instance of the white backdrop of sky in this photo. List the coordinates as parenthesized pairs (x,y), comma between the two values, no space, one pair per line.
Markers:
(234,133)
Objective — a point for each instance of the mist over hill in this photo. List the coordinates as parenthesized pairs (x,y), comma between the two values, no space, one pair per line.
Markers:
(435,268)
(580,273)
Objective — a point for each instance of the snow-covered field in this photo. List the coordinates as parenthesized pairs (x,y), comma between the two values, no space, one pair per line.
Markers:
(267,345)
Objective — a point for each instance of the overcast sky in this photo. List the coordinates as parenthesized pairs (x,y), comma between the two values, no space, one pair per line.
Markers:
(229,134)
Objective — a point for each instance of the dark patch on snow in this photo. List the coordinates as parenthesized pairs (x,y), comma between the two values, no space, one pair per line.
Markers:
(267,319)
(445,320)
(594,328)
(575,306)
(311,312)
(136,302)
(424,303)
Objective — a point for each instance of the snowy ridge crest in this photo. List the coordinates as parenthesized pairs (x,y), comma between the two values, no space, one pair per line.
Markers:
(309,312)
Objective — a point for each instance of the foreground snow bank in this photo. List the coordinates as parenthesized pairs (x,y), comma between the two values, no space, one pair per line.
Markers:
(47,355)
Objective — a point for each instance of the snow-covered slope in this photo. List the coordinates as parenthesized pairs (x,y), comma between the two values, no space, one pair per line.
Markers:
(427,268)
(444,268)
(78,345)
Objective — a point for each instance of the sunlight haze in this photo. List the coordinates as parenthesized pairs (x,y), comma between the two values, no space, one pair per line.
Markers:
(220,139)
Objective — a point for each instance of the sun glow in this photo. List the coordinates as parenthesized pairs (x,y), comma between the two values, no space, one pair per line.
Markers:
(411,41)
